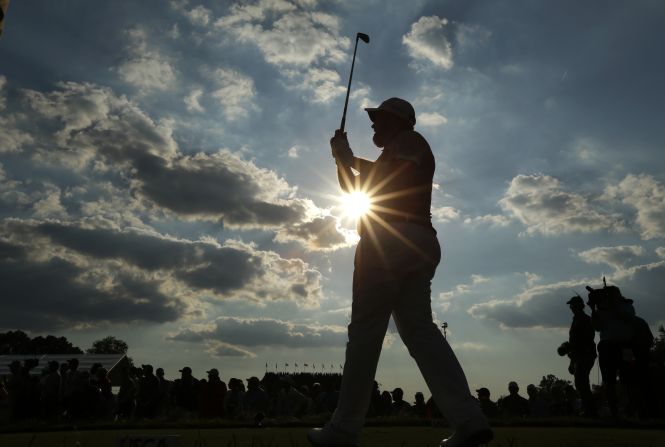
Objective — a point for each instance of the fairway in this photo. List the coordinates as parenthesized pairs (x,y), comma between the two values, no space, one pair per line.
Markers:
(372,436)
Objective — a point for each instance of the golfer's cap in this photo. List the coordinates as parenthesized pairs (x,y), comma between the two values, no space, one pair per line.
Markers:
(213,372)
(186,369)
(397,107)
(483,391)
(576,300)
(513,385)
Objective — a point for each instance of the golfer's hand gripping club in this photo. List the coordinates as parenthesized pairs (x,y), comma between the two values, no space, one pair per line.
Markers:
(341,151)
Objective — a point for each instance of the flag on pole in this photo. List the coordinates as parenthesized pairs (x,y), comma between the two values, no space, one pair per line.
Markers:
(305,365)
(4,4)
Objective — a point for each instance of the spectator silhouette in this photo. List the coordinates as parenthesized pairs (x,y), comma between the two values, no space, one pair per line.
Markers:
(581,350)
(489,408)
(211,395)
(256,398)
(51,384)
(186,391)
(234,400)
(419,407)
(612,316)
(513,405)
(147,397)
(400,407)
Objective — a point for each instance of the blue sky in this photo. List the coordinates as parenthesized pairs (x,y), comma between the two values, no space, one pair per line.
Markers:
(165,174)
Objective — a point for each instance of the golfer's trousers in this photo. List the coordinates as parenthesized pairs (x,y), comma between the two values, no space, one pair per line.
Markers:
(392,276)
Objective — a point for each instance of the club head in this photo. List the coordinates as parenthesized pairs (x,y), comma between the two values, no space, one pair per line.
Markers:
(362,36)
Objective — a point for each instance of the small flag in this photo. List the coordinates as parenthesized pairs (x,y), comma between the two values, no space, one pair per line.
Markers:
(323,366)
(296,365)
(305,365)
(286,364)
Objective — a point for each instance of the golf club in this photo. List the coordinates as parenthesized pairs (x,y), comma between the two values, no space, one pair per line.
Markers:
(364,38)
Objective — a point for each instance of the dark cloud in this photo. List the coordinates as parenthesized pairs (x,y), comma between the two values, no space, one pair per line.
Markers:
(265,332)
(148,264)
(56,294)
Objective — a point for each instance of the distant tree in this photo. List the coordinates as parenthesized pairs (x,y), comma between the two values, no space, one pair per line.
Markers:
(18,342)
(53,345)
(658,348)
(108,345)
(14,342)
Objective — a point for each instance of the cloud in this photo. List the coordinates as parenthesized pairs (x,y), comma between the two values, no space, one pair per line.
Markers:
(445,213)
(320,234)
(543,306)
(146,268)
(199,15)
(647,196)
(193,101)
(431,119)
(12,139)
(660,252)
(541,203)
(145,68)
(98,129)
(3,99)
(297,39)
(44,290)
(427,41)
(616,257)
(228,350)
(461,289)
(234,92)
(262,333)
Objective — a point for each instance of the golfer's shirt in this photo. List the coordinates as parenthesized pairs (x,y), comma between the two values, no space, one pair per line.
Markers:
(401,182)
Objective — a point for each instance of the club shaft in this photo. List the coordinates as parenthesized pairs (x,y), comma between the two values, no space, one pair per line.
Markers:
(348,88)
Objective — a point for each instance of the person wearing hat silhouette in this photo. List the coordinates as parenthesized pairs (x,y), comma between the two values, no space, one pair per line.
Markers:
(489,408)
(395,261)
(582,352)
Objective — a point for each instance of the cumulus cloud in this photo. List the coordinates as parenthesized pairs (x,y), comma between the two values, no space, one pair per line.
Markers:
(461,289)
(427,41)
(258,333)
(616,257)
(3,99)
(647,196)
(543,306)
(199,15)
(445,213)
(292,36)
(235,93)
(144,267)
(320,234)
(543,205)
(431,119)
(660,252)
(12,138)
(193,101)
(98,128)
(145,68)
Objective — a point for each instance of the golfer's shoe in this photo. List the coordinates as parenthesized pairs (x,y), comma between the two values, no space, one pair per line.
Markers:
(328,436)
(473,439)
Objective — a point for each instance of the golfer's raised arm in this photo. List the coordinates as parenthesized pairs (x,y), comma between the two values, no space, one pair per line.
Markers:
(347,163)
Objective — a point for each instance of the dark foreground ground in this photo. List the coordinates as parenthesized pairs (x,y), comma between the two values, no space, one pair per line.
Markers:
(372,436)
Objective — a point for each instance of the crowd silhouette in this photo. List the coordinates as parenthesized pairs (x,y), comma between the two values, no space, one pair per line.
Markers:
(63,393)
(631,361)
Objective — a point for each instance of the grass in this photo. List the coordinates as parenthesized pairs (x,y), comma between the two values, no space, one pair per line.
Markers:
(372,436)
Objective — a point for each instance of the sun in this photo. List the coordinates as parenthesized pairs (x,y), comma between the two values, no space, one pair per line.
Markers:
(355,204)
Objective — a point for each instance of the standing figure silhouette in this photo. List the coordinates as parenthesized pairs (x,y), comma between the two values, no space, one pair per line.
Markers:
(394,264)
